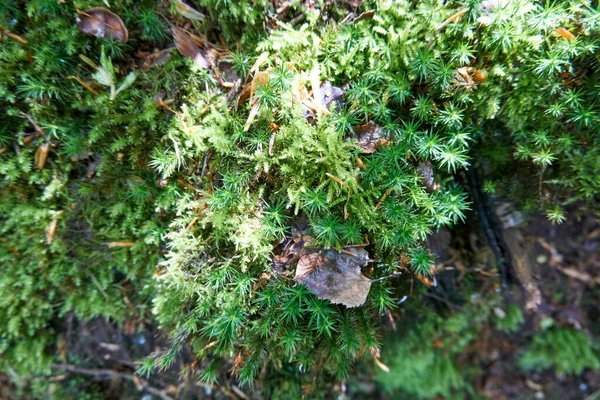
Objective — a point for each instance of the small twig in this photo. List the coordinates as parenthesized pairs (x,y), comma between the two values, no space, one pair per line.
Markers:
(120,244)
(13,36)
(450,20)
(35,125)
(443,300)
(385,195)
(239,392)
(593,396)
(298,18)
(102,374)
(204,163)
(83,83)
(447,22)
(366,15)
(106,296)
(196,218)
(387,276)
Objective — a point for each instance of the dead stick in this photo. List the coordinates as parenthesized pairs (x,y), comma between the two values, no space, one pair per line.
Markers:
(447,22)
(385,195)
(101,374)
(387,276)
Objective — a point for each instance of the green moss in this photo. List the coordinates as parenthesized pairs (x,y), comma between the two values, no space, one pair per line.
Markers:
(566,350)
(172,214)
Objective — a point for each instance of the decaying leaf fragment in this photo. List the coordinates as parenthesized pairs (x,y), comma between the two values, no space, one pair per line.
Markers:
(336,276)
(102,23)
(187,11)
(426,171)
(186,46)
(370,137)
(331,94)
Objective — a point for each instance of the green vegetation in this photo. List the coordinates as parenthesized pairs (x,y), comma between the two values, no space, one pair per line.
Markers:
(139,186)
(567,350)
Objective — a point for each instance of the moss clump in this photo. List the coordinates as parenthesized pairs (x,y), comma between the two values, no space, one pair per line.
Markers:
(164,202)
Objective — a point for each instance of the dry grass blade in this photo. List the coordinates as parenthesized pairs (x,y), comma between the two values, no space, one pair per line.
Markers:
(102,23)
(83,83)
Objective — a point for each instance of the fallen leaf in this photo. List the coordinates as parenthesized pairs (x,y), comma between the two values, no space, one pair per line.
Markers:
(336,276)
(261,78)
(102,23)
(425,169)
(259,62)
(157,58)
(370,137)
(330,94)
(308,263)
(187,11)
(186,46)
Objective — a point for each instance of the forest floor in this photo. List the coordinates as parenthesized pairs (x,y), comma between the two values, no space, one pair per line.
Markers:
(562,264)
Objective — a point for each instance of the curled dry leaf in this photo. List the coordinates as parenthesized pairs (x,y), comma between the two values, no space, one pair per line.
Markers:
(370,137)
(52,228)
(426,280)
(562,32)
(102,23)
(469,77)
(336,276)
(426,171)
(188,48)
(480,75)
(41,155)
(187,11)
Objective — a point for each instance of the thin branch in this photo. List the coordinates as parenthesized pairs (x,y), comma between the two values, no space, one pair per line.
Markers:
(395,274)
(443,300)
(103,374)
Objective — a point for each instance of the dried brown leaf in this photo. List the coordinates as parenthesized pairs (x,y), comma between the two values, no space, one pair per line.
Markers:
(336,276)
(331,94)
(186,46)
(102,23)
(308,263)
(370,137)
